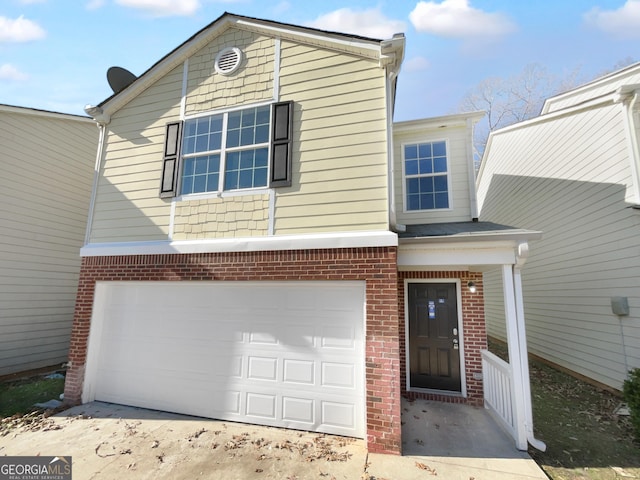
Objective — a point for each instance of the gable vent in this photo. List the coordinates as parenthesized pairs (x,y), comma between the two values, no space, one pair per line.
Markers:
(228,60)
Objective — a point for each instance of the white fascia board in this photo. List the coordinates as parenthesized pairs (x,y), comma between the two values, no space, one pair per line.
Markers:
(455,120)
(255,244)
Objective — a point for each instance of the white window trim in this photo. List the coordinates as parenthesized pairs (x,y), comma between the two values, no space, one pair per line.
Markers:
(463,378)
(404,177)
(221,192)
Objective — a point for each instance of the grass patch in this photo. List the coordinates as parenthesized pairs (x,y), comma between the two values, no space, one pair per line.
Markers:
(585,439)
(19,396)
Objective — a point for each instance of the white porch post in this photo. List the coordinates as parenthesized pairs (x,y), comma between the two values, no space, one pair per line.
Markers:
(513,343)
(524,362)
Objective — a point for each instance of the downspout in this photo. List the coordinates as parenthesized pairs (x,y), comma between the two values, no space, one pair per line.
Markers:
(473,195)
(521,258)
(392,74)
(101,120)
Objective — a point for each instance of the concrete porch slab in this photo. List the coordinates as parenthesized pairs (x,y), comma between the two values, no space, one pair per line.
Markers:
(454,442)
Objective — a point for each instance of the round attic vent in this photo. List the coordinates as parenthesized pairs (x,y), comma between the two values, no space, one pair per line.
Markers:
(228,60)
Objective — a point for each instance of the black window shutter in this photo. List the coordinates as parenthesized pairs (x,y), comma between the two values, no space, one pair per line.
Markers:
(281,142)
(169,185)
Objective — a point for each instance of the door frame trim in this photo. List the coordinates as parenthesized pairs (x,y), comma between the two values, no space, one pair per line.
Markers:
(463,378)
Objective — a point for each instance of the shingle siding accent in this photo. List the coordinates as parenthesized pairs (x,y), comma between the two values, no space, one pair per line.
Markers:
(375,265)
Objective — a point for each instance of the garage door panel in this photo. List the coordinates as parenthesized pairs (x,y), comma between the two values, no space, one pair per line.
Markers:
(275,353)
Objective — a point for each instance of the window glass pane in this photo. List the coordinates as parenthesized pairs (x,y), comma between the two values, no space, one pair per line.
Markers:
(189,164)
(189,128)
(442,200)
(262,133)
(199,183)
(260,177)
(233,138)
(426,165)
(246,160)
(413,202)
(426,201)
(231,180)
(424,150)
(245,179)
(439,149)
(246,136)
(411,152)
(201,165)
(202,143)
(189,145)
(187,185)
(248,117)
(440,164)
(426,185)
(262,157)
(233,160)
(212,182)
(233,120)
(202,126)
(411,167)
(413,185)
(215,141)
(440,183)
(263,115)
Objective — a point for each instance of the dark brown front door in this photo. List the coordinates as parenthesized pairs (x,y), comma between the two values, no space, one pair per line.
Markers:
(434,349)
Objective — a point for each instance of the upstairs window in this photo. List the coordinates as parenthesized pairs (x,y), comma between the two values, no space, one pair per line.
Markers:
(227,151)
(426,176)
(236,150)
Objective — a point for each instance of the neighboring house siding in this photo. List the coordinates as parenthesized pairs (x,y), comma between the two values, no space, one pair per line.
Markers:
(457,140)
(339,149)
(47,166)
(592,90)
(569,177)
(127,205)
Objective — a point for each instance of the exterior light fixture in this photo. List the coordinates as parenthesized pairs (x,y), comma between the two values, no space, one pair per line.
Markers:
(472,287)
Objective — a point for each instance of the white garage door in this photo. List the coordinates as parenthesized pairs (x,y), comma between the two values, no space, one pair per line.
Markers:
(287,354)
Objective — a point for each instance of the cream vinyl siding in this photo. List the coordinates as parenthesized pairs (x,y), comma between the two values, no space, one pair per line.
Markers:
(569,177)
(339,143)
(457,165)
(47,164)
(127,205)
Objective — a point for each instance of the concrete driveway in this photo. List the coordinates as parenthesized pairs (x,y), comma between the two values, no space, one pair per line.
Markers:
(109,441)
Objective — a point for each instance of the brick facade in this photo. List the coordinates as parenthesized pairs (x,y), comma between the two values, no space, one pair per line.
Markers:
(376,266)
(473,328)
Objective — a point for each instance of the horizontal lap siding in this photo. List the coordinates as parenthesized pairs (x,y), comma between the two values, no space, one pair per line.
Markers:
(458,165)
(339,148)
(127,206)
(46,184)
(570,178)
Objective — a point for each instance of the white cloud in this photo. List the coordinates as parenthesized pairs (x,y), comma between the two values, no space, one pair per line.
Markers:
(94,4)
(457,19)
(163,8)
(11,73)
(415,64)
(19,30)
(367,23)
(623,22)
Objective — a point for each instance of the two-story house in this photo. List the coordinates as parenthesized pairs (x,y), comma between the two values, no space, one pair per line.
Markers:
(265,245)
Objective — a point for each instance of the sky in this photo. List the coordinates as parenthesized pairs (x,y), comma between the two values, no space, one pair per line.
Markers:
(54,54)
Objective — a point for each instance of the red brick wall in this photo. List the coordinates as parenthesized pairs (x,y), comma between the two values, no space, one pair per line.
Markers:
(376,266)
(473,328)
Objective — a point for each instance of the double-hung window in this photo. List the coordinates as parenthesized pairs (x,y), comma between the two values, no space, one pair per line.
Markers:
(426,176)
(226,151)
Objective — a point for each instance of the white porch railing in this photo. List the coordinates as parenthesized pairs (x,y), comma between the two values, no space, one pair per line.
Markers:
(498,390)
